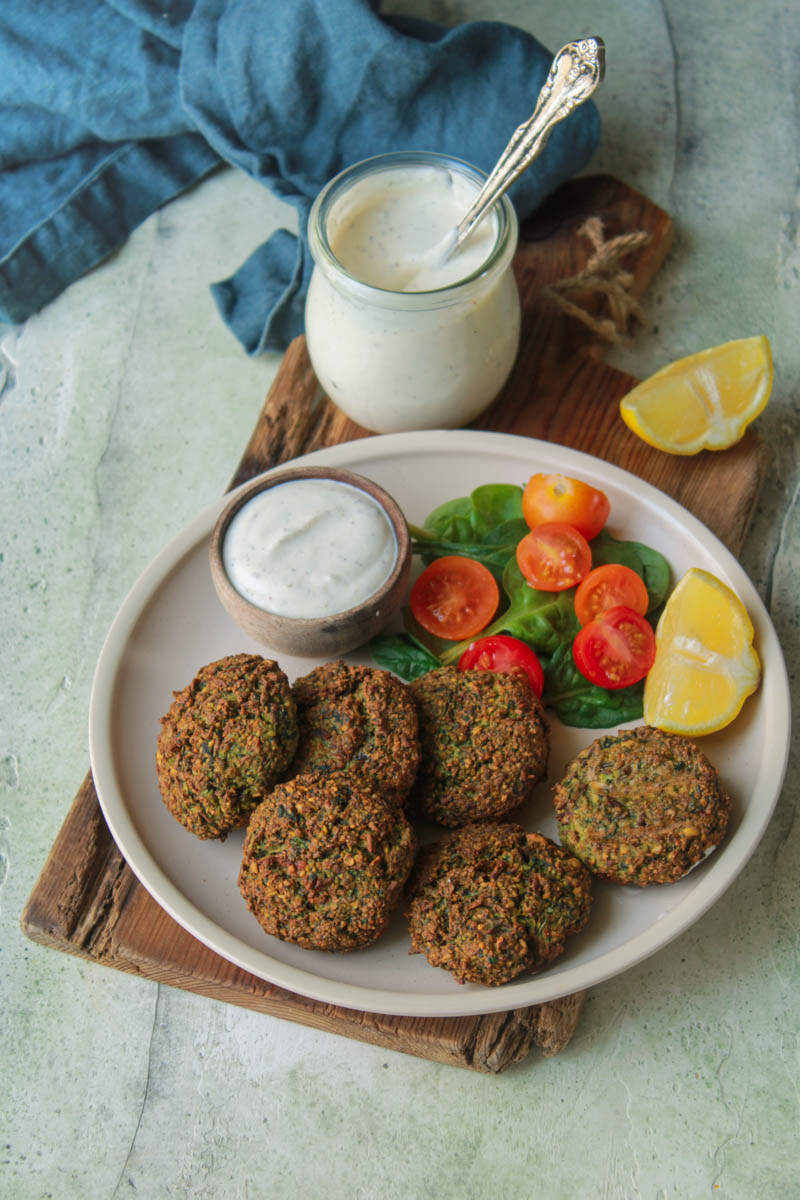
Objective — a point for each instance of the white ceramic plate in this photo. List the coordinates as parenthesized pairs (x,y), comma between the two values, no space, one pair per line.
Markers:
(172,623)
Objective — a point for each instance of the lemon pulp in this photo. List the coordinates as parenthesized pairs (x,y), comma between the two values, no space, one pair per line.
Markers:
(705,665)
(705,401)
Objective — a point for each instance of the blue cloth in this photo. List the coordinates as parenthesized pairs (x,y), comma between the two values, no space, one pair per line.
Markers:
(110,108)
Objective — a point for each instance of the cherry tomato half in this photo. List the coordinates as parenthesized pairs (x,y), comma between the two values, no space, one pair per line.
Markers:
(554,557)
(455,597)
(607,587)
(615,649)
(500,652)
(570,501)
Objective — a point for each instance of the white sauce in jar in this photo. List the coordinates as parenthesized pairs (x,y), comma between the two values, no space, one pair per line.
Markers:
(391,231)
(398,339)
(309,548)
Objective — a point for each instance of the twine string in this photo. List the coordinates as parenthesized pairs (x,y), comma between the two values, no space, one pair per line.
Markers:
(604,275)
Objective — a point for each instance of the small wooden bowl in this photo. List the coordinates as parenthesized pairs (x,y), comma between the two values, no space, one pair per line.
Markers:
(314,637)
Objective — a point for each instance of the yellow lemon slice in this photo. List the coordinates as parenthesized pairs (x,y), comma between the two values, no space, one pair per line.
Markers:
(703,402)
(705,666)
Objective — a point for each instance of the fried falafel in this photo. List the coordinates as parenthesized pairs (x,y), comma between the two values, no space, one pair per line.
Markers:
(324,863)
(226,740)
(642,806)
(484,744)
(357,719)
(489,902)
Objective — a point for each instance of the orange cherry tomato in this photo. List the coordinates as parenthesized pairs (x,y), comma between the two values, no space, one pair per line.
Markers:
(501,652)
(607,587)
(455,597)
(616,649)
(554,557)
(570,501)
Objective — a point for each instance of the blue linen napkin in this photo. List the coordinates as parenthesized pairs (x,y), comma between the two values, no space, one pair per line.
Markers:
(110,108)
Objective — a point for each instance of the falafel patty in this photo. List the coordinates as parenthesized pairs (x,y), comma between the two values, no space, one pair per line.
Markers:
(357,719)
(641,806)
(490,902)
(324,862)
(483,740)
(227,738)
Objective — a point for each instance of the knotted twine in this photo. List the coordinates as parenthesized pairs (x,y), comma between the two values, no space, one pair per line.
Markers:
(605,275)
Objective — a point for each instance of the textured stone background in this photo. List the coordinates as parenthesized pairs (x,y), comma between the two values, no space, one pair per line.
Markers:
(124,407)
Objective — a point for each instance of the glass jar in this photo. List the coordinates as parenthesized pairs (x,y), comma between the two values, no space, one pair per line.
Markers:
(393,359)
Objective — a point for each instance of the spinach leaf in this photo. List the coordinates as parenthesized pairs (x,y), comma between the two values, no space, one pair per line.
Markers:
(509,532)
(450,522)
(494,504)
(469,519)
(493,555)
(403,654)
(646,562)
(543,619)
(486,526)
(578,702)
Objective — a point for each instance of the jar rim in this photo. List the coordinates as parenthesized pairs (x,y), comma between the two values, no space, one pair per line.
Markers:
(496,261)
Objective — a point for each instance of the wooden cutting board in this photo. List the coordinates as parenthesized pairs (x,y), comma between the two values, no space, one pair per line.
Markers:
(88,902)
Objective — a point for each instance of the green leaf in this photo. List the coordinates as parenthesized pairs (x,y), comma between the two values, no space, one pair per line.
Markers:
(469,519)
(545,619)
(507,533)
(402,654)
(495,557)
(495,504)
(451,521)
(576,701)
(644,560)
(486,526)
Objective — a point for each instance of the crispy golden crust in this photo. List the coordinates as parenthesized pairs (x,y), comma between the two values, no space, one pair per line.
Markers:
(325,861)
(361,720)
(225,741)
(484,744)
(641,807)
(489,902)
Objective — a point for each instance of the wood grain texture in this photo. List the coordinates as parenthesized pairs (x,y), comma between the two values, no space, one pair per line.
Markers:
(88,902)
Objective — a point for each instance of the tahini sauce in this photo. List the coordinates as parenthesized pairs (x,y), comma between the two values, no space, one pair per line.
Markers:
(390,232)
(309,548)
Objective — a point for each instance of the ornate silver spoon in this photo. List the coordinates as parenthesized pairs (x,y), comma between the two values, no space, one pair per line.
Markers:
(576,71)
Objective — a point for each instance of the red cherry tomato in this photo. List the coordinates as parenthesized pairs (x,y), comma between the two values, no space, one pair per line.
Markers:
(615,649)
(607,587)
(554,557)
(500,652)
(455,597)
(569,501)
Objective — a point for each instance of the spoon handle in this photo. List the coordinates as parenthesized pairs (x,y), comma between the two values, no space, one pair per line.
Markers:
(576,71)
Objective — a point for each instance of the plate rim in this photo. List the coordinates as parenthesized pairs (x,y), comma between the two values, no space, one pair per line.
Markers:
(529,990)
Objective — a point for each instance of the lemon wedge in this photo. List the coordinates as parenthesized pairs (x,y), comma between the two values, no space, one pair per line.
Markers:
(703,402)
(705,665)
